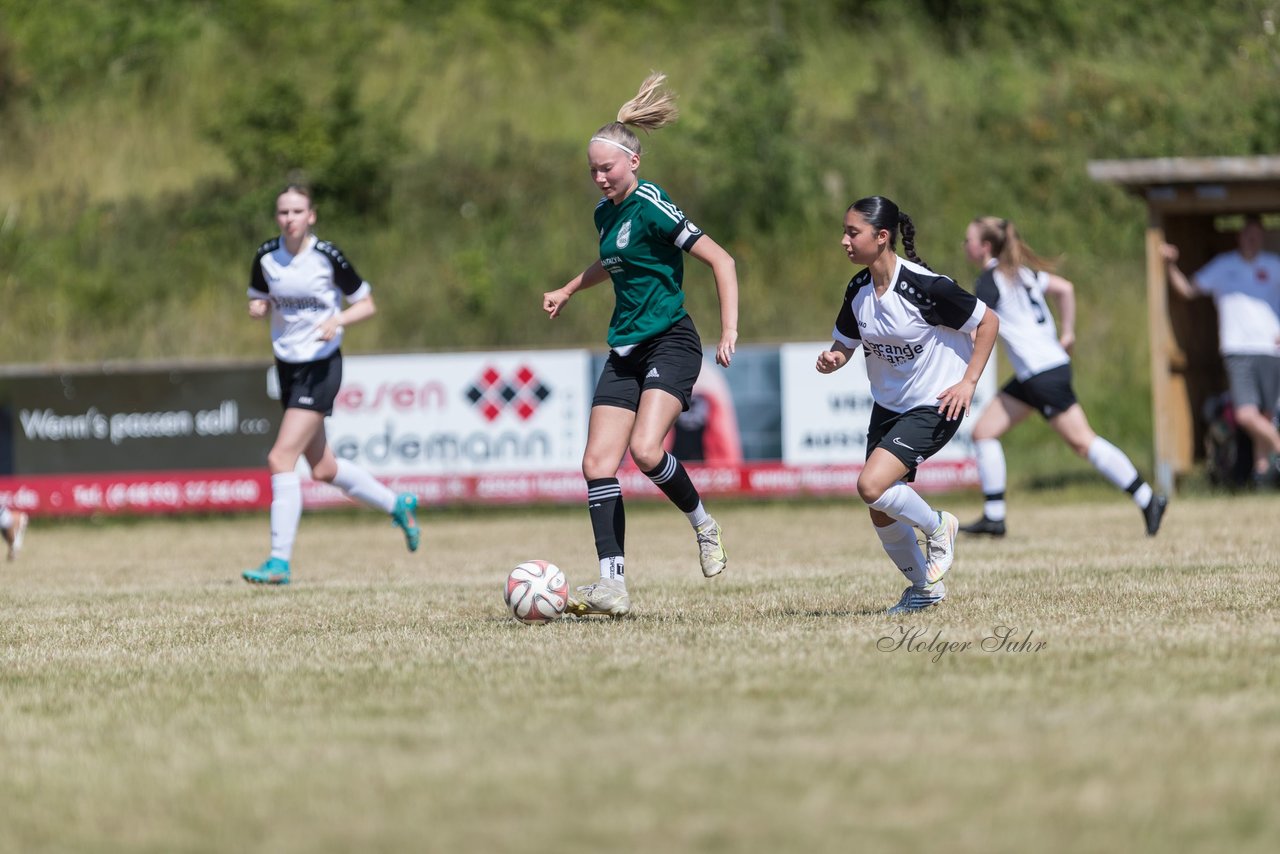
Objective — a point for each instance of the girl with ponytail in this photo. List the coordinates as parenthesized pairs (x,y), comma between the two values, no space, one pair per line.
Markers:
(1014,283)
(655,353)
(926,342)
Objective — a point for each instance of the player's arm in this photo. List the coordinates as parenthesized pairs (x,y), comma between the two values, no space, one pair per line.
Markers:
(830,361)
(954,402)
(725,269)
(1063,294)
(1177,278)
(553,301)
(359,310)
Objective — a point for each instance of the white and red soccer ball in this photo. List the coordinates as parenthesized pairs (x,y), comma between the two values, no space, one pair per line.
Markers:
(536,592)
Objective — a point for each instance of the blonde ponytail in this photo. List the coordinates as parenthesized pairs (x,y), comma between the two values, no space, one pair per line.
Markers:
(653,107)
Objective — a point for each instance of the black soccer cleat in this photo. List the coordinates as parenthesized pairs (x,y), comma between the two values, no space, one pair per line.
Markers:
(990,527)
(1154,512)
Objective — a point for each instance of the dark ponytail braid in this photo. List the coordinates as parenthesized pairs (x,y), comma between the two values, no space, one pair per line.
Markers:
(882,213)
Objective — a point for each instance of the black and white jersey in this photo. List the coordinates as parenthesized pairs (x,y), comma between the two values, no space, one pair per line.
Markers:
(1027,330)
(304,290)
(917,337)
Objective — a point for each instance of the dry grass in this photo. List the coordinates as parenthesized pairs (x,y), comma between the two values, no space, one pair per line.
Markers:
(152,702)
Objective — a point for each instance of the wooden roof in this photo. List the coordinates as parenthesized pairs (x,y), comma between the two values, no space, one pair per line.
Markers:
(1185,170)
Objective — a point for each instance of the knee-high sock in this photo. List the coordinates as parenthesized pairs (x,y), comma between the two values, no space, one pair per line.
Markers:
(899,541)
(6,519)
(673,479)
(362,486)
(1117,468)
(992,474)
(286,511)
(905,504)
(609,522)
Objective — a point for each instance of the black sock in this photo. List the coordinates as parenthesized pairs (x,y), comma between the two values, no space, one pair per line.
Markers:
(671,477)
(608,520)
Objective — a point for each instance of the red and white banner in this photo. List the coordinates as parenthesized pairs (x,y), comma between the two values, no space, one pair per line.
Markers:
(250,489)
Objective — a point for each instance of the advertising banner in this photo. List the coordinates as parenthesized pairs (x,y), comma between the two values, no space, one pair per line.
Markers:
(140,419)
(825,416)
(463,413)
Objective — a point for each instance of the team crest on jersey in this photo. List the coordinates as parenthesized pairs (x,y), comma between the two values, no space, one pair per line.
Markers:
(624,235)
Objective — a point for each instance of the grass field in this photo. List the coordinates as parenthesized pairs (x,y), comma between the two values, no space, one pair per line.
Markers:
(150,701)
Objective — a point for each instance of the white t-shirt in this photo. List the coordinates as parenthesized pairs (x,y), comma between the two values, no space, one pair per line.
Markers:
(304,290)
(916,337)
(1027,329)
(1247,296)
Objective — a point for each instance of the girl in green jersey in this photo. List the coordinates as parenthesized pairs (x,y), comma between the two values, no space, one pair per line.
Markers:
(655,352)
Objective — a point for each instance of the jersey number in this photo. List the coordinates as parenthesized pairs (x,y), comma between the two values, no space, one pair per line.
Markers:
(1035,305)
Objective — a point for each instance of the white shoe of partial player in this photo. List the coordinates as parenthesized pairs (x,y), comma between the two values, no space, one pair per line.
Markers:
(711,548)
(16,534)
(942,547)
(607,597)
(917,599)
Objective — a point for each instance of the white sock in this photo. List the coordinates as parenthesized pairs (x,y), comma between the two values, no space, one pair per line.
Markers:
(1142,495)
(1115,467)
(286,511)
(362,486)
(900,544)
(993,477)
(698,515)
(6,518)
(613,569)
(905,504)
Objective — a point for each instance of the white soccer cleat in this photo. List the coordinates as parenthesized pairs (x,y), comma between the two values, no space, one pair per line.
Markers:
(917,599)
(942,548)
(606,597)
(15,534)
(711,548)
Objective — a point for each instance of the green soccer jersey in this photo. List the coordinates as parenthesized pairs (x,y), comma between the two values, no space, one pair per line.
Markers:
(642,244)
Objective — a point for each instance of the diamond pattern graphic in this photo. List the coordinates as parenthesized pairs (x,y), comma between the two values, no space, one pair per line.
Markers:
(520,392)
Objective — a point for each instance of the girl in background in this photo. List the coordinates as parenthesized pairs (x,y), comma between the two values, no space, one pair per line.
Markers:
(1013,283)
(300,281)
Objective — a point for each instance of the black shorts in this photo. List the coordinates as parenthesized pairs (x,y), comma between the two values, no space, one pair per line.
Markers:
(670,361)
(310,385)
(912,436)
(1049,393)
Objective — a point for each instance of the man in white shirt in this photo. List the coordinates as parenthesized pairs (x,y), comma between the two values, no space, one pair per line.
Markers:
(1245,286)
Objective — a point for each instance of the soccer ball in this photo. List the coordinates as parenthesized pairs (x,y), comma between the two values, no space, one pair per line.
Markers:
(536,592)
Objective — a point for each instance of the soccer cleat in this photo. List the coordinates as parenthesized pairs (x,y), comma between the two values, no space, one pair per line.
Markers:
(402,517)
(1154,512)
(942,547)
(990,527)
(710,548)
(606,596)
(917,599)
(273,571)
(15,534)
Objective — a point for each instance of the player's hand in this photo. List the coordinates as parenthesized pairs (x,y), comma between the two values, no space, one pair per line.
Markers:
(1169,252)
(954,402)
(724,351)
(258,308)
(553,301)
(830,361)
(1068,341)
(330,328)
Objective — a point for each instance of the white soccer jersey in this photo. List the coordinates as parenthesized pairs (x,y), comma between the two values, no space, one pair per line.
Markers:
(916,337)
(304,290)
(1027,329)
(1247,296)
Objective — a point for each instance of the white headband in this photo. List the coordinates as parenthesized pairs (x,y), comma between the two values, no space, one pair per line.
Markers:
(614,144)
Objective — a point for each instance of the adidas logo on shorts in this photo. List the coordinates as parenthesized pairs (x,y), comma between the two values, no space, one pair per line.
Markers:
(652,375)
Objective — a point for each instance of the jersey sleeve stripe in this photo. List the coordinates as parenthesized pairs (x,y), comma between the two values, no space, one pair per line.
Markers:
(649,193)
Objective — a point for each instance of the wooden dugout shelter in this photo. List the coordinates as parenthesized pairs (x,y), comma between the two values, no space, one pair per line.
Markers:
(1188,199)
